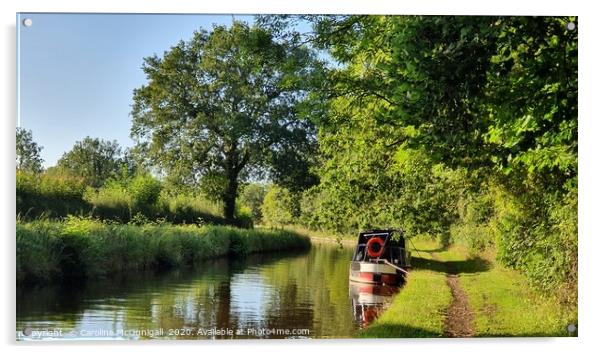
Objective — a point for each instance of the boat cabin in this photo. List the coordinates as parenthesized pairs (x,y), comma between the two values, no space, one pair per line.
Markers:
(388,245)
(380,257)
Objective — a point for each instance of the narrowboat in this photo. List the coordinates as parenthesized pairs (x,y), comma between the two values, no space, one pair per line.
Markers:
(380,257)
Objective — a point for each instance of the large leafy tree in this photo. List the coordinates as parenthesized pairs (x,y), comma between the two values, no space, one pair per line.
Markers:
(93,159)
(479,92)
(220,106)
(493,96)
(28,152)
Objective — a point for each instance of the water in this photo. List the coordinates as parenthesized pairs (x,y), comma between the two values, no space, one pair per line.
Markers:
(288,295)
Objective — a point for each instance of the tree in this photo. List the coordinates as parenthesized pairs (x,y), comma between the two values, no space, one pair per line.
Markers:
(95,160)
(28,152)
(493,92)
(252,197)
(489,103)
(222,106)
(277,207)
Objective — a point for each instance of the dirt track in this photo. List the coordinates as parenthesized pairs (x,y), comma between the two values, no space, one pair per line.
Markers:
(459,321)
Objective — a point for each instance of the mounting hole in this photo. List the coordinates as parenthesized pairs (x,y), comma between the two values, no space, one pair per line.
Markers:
(570,26)
(27,22)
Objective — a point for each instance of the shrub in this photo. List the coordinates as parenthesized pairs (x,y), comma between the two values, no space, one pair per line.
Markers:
(475,225)
(244,217)
(112,202)
(144,191)
(56,195)
(277,207)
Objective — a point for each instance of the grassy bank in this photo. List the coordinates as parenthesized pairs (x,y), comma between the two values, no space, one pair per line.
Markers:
(505,304)
(502,302)
(417,311)
(84,248)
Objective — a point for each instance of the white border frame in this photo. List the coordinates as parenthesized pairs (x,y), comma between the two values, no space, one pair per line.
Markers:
(589,176)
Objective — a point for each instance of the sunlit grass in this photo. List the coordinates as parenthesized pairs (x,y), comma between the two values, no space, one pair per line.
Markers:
(505,305)
(418,310)
(86,248)
(503,302)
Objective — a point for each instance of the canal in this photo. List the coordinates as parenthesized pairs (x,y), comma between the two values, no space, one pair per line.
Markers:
(287,295)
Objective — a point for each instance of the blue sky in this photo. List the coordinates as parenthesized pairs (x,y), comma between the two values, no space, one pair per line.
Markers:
(77,71)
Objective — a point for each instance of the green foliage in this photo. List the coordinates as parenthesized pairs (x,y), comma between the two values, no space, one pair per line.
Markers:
(145,191)
(222,105)
(475,226)
(539,237)
(85,248)
(459,127)
(244,217)
(53,195)
(49,195)
(189,209)
(366,184)
(94,160)
(28,152)
(141,196)
(278,207)
(252,197)
(112,202)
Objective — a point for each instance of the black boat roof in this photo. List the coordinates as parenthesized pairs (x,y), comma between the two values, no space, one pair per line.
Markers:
(385,234)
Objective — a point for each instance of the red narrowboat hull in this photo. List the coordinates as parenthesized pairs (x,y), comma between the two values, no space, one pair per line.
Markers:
(374,273)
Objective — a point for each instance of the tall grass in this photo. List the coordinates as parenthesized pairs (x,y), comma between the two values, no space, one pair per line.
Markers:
(49,195)
(57,195)
(86,248)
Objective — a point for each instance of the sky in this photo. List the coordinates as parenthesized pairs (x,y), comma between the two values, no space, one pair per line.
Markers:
(77,72)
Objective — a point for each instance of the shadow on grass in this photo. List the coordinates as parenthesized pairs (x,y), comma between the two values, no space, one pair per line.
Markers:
(472,265)
(430,250)
(397,331)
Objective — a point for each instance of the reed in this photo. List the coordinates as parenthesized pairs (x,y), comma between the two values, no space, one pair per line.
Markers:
(80,248)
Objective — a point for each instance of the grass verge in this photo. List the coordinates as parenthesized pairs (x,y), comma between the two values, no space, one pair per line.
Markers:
(503,302)
(417,311)
(85,248)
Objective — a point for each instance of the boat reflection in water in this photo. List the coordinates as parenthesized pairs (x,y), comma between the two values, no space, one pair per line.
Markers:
(370,300)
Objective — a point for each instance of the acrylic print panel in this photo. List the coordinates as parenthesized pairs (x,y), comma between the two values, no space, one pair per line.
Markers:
(255,177)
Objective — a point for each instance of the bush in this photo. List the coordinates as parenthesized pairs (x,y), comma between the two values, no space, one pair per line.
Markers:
(277,207)
(475,226)
(244,217)
(144,191)
(536,233)
(531,229)
(113,202)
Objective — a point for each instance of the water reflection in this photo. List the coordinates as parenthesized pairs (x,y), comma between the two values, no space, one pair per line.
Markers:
(370,300)
(220,299)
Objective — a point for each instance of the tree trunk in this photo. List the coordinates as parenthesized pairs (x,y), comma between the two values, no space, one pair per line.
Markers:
(230,195)
(234,164)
